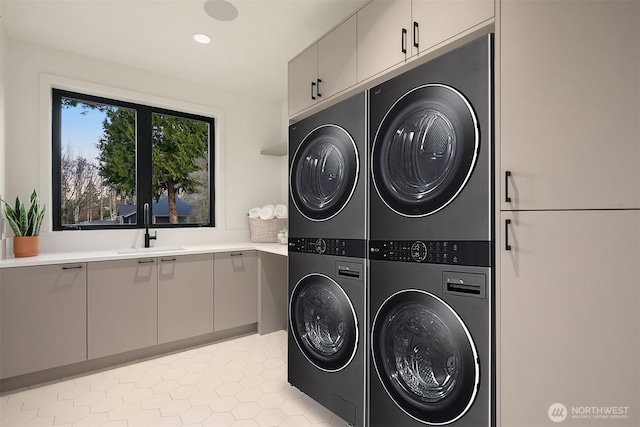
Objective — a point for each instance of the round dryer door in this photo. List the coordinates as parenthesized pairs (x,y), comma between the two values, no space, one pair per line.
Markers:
(425,357)
(424,150)
(323,322)
(324,171)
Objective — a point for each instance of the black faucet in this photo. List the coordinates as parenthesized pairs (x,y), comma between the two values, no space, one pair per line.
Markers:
(147,237)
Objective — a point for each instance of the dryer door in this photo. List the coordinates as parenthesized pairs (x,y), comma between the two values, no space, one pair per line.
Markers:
(425,357)
(323,172)
(424,150)
(323,322)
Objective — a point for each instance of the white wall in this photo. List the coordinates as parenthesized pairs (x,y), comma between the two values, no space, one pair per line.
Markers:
(3,72)
(246,125)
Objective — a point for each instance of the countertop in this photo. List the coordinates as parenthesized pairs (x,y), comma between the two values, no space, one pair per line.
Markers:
(129,253)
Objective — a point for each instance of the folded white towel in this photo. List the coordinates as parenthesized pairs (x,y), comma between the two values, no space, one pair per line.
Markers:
(254,213)
(267,212)
(281,211)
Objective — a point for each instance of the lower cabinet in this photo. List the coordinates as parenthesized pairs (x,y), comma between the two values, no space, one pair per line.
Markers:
(122,299)
(185,296)
(569,323)
(235,289)
(43,316)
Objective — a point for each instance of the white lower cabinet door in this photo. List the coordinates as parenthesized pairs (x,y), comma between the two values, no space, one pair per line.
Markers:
(235,295)
(569,326)
(185,296)
(122,307)
(43,317)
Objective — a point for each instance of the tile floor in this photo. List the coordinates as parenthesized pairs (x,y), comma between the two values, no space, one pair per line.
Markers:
(241,382)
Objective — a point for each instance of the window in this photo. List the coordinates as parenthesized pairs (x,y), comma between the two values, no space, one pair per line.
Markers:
(111,157)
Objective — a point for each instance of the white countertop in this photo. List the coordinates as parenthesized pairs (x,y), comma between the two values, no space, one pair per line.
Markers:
(129,253)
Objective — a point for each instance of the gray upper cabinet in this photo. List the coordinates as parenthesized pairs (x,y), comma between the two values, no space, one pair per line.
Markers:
(570,104)
(324,69)
(122,306)
(235,295)
(43,315)
(185,296)
(436,21)
(390,32)
(384,37)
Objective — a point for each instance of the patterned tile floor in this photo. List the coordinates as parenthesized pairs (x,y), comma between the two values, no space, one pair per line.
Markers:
(241,382)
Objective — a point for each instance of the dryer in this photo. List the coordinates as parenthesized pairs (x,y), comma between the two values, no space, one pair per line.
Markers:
(327,338)
(432,152)
(328,176)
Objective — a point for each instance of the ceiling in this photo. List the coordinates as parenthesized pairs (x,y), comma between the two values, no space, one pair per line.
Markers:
(248,55)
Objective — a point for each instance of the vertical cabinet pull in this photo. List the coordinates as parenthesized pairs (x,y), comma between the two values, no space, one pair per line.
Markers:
(416,32)
(313,85)
(404,41)
(507,175)
(507,223)
(318,94)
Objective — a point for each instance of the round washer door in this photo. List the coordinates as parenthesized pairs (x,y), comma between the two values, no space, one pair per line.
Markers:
(324,172)
(425,357)
(424,150)
(323,322)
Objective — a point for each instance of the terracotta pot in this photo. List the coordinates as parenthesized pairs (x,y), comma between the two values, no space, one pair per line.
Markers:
(25,246)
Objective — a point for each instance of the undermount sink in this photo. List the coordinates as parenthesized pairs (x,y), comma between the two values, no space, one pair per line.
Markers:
(151,250)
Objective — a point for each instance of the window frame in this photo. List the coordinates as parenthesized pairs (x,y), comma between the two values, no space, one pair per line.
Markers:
(144,161)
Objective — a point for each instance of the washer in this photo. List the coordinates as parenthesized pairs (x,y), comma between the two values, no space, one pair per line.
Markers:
(432,150)
(432,357)
(326,345)
(328,175)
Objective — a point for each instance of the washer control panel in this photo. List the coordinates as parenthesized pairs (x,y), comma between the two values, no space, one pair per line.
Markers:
(432,252)
(328,246)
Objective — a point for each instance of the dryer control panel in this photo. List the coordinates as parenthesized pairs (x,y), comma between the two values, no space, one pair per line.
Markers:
(473,253)
(321,246)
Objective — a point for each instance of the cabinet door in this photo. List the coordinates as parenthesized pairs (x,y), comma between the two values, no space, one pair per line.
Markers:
(337,59)
(303,75)
(43,317)
(380,36)
(185,296)
(235,289)
(569,324)
(122,306)
(570,104)
(439,20)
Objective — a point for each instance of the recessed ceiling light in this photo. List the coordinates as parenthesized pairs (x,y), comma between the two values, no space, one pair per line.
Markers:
(202,38)
(220,10)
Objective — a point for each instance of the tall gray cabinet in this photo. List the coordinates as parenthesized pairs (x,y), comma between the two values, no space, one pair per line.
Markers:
(569,227)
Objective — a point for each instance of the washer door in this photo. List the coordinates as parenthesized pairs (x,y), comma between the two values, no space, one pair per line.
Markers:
(324,171)
(323,322)
(425,357)
(424,150)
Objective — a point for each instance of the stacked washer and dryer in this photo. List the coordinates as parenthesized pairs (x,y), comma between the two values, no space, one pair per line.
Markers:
(405,337)
(327,353)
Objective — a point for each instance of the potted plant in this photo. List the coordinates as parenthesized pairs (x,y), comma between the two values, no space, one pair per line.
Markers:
(25,225)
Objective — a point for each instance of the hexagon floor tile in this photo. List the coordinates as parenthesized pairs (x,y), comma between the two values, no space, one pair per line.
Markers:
(241,382)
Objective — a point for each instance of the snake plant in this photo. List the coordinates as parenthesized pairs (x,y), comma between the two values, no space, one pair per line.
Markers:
(25,222)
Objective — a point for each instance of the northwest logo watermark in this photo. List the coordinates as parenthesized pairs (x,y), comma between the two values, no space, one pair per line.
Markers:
(557,412)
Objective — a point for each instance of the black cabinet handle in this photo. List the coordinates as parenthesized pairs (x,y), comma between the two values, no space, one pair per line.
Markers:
(313,85)
(507,223)
(415,35)
(507,175)
(75,267)
(236,254)
(167,259)
(318,89)
(404,41)
(146,261)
